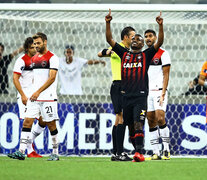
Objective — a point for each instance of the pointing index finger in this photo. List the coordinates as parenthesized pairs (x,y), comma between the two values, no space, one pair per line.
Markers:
(160,13)
(109,12)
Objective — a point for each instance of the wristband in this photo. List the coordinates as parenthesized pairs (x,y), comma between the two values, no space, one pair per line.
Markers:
(104,52)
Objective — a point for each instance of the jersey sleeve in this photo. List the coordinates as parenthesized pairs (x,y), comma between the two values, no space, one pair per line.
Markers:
(204,69)
(119,50)
(82,61)
(54,62)
(165,59)
(150,52)
(19,66)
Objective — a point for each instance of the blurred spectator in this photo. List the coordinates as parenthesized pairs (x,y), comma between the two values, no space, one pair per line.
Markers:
(203,77)
(195,88)
(4,63)
(70,71)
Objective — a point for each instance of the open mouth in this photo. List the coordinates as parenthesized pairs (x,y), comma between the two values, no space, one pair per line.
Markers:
(134,43)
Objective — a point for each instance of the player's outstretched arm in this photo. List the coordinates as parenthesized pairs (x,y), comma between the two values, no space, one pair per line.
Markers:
(105,53)
(109,39)
(16,52)
(160,40)
(91,62)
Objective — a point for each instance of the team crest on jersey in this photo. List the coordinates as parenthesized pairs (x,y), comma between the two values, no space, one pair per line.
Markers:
(127,57)
(32,65)
(139,57)
(44,63)
(132,65)
(156,61)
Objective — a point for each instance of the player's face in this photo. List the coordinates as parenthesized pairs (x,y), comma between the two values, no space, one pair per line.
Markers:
(40,45)
(69,55)
(32,50)
(68,52)
(150,39)
(129,37)
(137,43)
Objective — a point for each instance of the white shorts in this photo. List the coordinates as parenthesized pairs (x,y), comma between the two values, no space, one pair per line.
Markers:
(153,102)
(48,110)
(22,108)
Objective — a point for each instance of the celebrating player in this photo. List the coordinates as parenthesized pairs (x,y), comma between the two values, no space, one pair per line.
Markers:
(157,99)
(116,97)
(134,67)
(44,100)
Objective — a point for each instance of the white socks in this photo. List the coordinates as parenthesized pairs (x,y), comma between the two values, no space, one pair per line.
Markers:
(165,135)
(36,131)
(24,141)
(154,140)
(54,144)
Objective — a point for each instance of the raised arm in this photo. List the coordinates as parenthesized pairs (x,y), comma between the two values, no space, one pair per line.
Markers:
(160,40)
(109,39)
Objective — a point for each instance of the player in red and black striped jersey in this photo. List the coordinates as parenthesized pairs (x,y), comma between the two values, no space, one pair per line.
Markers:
(134,69)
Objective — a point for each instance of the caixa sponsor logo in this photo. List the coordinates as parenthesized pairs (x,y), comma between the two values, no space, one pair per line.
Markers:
(132,65)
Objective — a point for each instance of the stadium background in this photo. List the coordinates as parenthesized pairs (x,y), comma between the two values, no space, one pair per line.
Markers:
(86,120)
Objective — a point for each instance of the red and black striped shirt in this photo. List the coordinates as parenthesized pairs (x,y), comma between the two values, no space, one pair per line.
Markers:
(134,67)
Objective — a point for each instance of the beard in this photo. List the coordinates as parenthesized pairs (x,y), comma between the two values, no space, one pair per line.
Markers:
(41,49)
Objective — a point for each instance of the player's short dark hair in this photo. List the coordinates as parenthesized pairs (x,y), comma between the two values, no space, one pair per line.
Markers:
(40,35)
(150,31)
(27,43)
(70,47)
(2,46)
(126,31)
(138,35)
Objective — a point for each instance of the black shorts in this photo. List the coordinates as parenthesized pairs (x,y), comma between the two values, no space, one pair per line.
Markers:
(116,96)
(134,109)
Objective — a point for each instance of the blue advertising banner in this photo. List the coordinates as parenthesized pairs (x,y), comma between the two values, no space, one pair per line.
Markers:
(85,129)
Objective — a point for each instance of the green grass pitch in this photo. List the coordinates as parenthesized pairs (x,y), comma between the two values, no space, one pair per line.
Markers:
(98,168)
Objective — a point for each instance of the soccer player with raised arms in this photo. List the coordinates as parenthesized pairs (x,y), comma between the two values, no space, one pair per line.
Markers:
(118,129)
(158,73)
(134,67)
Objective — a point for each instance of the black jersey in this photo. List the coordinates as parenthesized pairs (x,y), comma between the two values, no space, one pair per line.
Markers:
(134,67)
